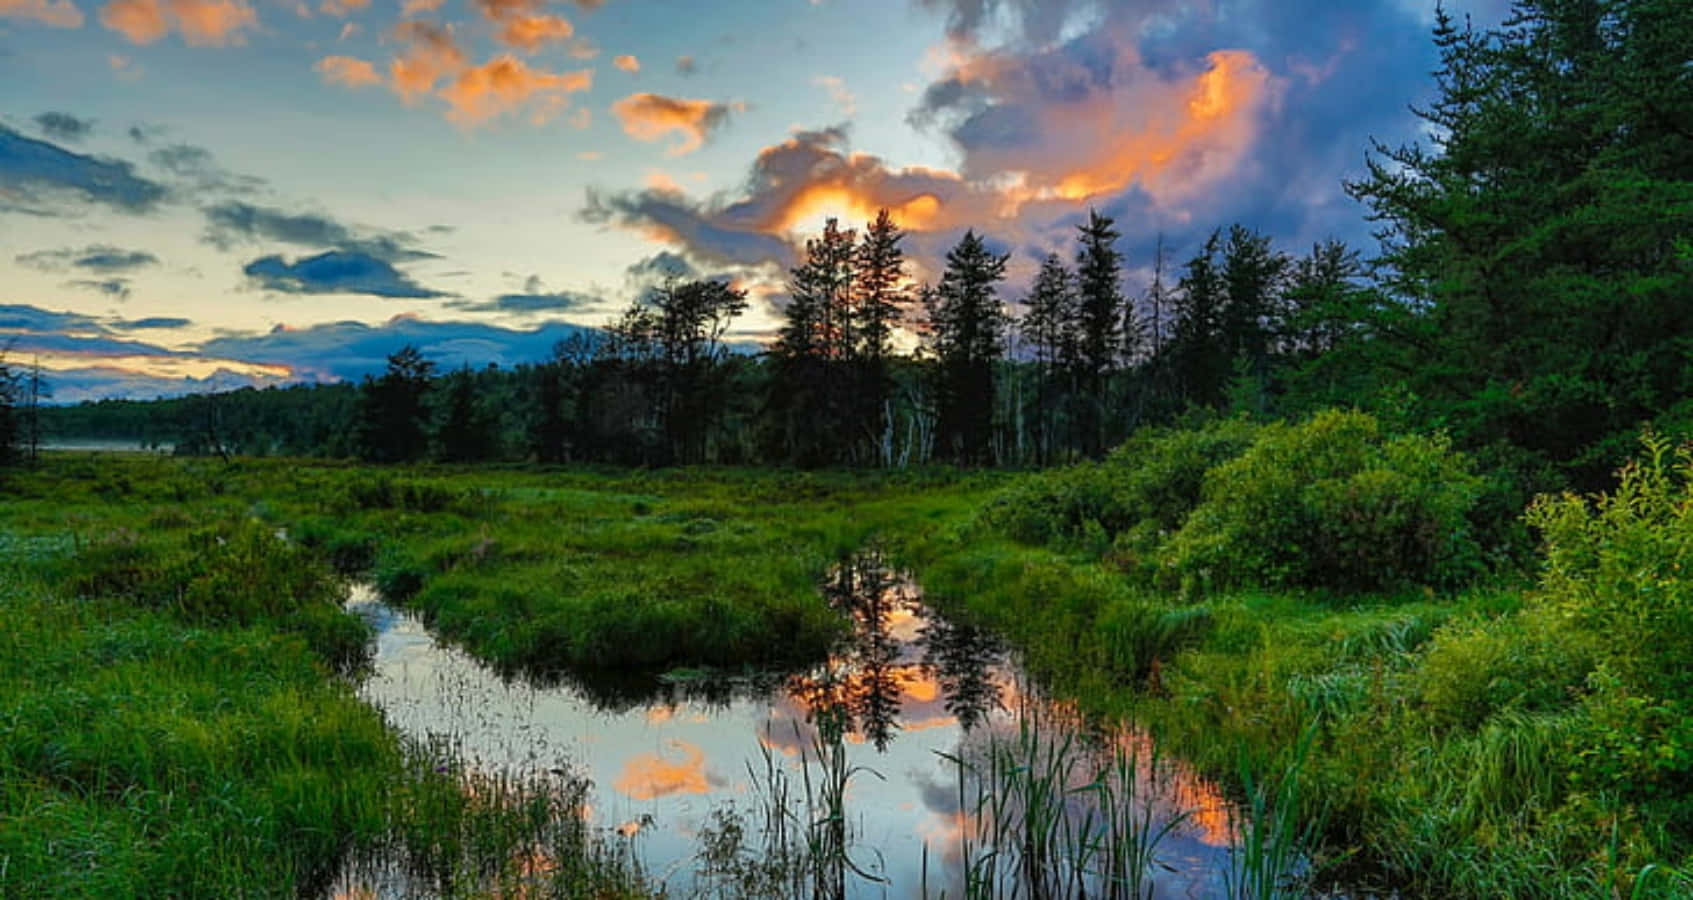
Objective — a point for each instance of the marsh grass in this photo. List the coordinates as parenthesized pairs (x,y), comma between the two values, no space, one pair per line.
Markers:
(172,720)
(1042,813)
(806,841)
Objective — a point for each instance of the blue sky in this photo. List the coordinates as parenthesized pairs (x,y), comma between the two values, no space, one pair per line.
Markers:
(199,193)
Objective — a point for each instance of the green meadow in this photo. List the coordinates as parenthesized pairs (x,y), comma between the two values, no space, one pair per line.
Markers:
(178,674)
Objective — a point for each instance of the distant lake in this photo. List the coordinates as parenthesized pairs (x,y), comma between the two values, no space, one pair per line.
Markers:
(103,445)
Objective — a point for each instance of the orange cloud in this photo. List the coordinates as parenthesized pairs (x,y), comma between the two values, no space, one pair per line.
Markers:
(342,8)
(348,71)
(412,7)
(1172,135)
(627,63)
(202,23)
(430,56)
(503,84)
(529,33)
(141,21)
(432,63)
(57,13)
(523,25)
(649,776)
(651,117)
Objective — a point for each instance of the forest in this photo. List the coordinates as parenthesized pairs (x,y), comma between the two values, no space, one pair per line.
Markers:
(1389,540)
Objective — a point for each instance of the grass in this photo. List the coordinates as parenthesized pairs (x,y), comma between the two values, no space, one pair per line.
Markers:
(1440,740)
(172,720)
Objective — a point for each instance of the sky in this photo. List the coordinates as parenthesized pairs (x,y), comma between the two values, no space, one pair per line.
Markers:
(204,194)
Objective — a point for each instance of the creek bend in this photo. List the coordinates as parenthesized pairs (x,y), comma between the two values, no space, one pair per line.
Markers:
(945,757)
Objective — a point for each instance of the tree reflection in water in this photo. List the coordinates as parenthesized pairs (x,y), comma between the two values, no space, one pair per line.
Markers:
(895,653)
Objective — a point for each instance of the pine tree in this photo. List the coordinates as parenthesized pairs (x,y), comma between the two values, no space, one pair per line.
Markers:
(392,418)
(967,324)
(1531,242)
(811,399)
(468,430)
(1100,314)
(1049,327)
(881,299)
(1198,352)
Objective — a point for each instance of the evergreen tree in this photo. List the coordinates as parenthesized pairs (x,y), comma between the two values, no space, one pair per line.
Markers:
(469,432)
(1252,283)
(811,397)
(967,328)
(393,420)
(11,431)
(1197,353)
(1049,328)
(880,304)
(1532,242)
(1100,313)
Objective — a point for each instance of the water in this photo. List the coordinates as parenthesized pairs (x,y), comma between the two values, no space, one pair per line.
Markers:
(917,703)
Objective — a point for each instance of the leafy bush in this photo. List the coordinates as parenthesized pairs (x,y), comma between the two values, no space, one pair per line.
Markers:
(1331,503)
(1523,662)
(1144,487)
(1617,567)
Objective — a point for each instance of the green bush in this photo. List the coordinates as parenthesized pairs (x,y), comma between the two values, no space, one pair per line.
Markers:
(1145,487)
(1331,503)
(1617,567)
(1522,662)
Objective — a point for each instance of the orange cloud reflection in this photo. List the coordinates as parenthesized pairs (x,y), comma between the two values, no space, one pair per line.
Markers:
(649,776)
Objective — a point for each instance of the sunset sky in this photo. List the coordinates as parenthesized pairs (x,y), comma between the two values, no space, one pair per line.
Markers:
(205,193)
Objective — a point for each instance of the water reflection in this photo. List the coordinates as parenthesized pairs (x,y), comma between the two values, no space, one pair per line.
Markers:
(919,711)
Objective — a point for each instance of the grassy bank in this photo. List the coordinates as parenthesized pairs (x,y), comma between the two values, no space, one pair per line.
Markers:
(1517,734)
(543,571)
(172,722)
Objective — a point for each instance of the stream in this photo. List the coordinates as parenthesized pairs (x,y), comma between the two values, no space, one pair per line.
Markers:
(928,713)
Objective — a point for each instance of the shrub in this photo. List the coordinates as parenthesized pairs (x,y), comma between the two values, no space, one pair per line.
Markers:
(1331,503)
(1146,487)
(1522,662)
(1617,565)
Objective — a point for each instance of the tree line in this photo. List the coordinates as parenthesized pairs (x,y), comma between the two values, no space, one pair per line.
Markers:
(1531,297)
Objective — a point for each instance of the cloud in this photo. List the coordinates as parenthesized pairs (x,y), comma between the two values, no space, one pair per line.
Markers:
(473,94)
(64,126)
(196,164)
(151,323)
(838,92)
(792,187)
(1174,118)
(522,24)
(340,9)
(529,304)
(531,33)
(57,13)
(411,8)
(660,266)
(347,71)
(18,317)
(504,84)
(1091,117)
(335,272)
(627,63)
(202,23)
(651,117)
(233,221)
(110,287)
(351,350)
(686,66)
(100,258)
(30,167)
(430,55)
